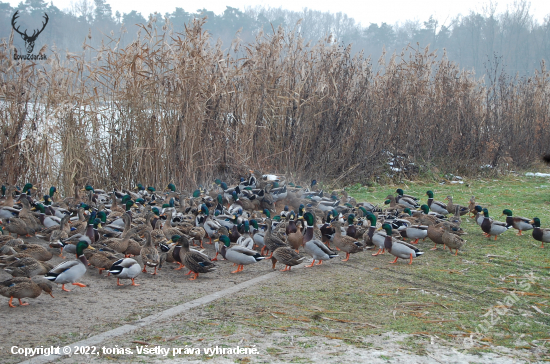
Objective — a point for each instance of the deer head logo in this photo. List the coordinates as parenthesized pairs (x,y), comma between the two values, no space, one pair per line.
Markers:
(29,40)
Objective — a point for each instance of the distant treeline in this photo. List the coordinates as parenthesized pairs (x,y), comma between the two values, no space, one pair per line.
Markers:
(470,40)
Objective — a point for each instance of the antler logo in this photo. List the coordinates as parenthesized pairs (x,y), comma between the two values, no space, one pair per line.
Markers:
(29,40)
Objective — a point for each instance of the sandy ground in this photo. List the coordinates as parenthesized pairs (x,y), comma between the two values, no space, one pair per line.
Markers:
(84,312)
(102,305)
(294,348)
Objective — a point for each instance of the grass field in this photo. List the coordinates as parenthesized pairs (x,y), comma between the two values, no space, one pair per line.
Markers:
(494,295)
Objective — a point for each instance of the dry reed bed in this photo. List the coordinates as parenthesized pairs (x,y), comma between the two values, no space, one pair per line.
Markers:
(177,107)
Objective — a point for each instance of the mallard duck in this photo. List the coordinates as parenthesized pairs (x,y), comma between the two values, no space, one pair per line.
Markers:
(28,267)
(157,234)
(34,250)
(22,287)
(63,225)
(19,227)
(10,241)
(399,249)
(26,215)
(47,220)
(5,236)
(278,193)
(456,219)
(451,240)
(327,231)
(436,206)
(149,254)
(197,233)
(80,225)
(116,219)
(463,210)
(317,249)
(134,249)
(416,232)
(121,244)
(258,235)
(167,229)
(401,194)
(409,201)
(435,233)
(379,239)
(57,236)
(517,222)
(295,239)
(234,234)
(147,224)
(7,200)
(367,236)
(194,261)
(287,256)
(351,229)
(291,224)
(493,227)
(238,254)
(125,268)
(71,271)
(390,200)
(7,213)
(243,202)
(347,244)
(102,259)
(211,228)
(542,235)
(271,241)
(427,217)
(479,217)
(172,249)
(472,206)
(245,240)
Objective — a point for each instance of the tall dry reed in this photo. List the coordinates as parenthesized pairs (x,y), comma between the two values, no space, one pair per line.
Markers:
(177,108)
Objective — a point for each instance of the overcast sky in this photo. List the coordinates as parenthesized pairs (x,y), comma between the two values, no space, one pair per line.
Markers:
(365,12)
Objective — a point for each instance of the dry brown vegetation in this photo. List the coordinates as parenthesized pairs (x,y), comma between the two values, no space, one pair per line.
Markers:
(178,108)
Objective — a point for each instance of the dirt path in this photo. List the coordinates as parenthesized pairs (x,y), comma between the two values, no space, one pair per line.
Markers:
(306,315)
(101,306)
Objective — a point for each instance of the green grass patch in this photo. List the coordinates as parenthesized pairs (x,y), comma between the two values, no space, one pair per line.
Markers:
(496,292)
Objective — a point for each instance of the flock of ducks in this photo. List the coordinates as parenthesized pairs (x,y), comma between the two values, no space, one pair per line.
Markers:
(262,217)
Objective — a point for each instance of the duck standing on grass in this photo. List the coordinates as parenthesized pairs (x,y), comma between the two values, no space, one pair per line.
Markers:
(71,271)
(346,243)
(517,222)
(317,249)
(451,240)
(542,235)
(436,206)
(493,227)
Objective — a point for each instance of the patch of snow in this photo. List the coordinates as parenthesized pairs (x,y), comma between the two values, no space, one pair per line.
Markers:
(531,174)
